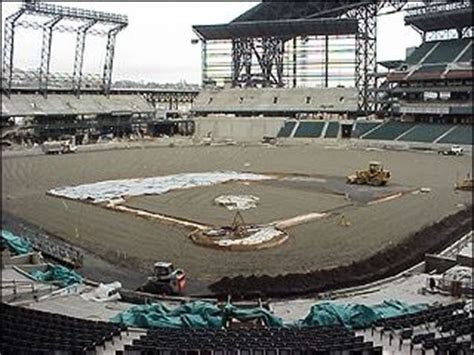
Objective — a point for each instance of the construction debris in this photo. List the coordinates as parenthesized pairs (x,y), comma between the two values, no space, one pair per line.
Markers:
(237,202)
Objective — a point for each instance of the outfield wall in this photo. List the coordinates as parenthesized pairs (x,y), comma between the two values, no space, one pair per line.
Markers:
(239,129)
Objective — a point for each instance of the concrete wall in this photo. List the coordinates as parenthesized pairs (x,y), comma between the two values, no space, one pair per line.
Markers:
(240,129)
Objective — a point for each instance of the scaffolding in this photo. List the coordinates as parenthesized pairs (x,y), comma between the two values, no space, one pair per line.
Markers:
(47,18)
(307,61)
(323,58)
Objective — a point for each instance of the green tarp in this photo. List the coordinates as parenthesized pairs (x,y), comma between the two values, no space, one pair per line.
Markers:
(58,274)
(190,315)
(207,315)
(349,315)
(394,308)
(19,245)
(356,316)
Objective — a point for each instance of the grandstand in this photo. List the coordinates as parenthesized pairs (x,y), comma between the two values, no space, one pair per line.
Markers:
(381,131)
(276,102)
(434,83)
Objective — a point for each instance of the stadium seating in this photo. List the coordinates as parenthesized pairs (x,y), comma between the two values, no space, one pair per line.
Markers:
(426,133)
(460,135)
(447,51)
(252,100)
(440,329)
(38,105)
(467,56)
(252,341)
(286,130)
(310,129)
(420,52)
(390,130)
(332,130)
(28,331)
(362,128)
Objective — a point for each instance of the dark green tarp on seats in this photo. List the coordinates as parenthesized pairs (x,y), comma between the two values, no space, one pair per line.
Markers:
(242,314)
(395,308)
(190,315)
(58,274)
(201,314)
(356,316)
(19,245)
(349,315)
(194,315)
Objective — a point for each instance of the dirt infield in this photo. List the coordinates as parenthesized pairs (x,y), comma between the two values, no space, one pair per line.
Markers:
(383,264)
(137,243)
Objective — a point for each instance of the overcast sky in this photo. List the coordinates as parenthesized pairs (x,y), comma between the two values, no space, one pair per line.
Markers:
(156,45)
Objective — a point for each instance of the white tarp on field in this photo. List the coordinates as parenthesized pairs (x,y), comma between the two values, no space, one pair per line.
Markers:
(260,236)
(237,202)
(106,191)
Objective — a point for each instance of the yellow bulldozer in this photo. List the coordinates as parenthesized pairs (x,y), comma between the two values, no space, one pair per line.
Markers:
(375,175)
(465,185)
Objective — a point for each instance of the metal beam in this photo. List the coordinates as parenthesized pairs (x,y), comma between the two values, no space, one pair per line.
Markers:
(46,53)
(366,55)
(109,59)
(45,9)
(79,56)
(8,51)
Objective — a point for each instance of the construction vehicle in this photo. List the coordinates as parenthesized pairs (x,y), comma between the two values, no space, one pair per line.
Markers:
(375,175)
(465,185)
(454,150)
(59,147)
(165,280)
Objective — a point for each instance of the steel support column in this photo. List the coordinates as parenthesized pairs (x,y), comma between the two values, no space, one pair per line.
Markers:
(204,77)
(269,53)
(109,59)
(366,55)
(79,56)
(295,62)
(8,50)
(326,61)
(241,61)
(46,53)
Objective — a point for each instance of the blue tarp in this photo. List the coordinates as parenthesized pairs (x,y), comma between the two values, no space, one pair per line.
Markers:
(19,245)
(59,274)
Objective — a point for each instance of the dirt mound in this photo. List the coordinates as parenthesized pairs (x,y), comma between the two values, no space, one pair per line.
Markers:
(381,265)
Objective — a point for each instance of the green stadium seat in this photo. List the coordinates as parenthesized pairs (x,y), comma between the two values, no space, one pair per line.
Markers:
(460,135)
(362,128)
(447,51)
(332,130)
(310,129)
(286,130)
(390,131)
(426,133)
(420,52)
(467,56)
